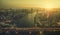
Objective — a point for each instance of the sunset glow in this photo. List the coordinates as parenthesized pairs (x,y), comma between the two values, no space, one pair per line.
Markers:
(30,3)
(48,6)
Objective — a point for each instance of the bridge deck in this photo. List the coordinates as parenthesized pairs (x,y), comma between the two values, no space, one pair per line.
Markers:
(37,29)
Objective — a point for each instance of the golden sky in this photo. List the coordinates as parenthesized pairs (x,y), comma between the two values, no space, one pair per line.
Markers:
(29,3)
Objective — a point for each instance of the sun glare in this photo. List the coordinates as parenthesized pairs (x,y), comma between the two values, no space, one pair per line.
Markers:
(48,6)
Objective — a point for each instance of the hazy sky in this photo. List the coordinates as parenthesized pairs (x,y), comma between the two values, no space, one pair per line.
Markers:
(28,3)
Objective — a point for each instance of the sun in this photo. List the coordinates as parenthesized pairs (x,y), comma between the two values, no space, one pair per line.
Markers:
(48,6)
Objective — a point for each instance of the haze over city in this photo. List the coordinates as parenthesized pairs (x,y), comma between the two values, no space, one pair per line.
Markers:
(29,3)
